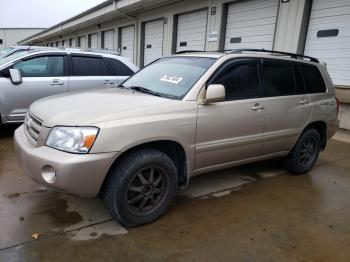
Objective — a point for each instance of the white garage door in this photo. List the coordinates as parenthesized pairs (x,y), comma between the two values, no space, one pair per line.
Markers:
(328,37)
(108,41)
(154,33)
(192,31)
(251,24)
(72,42)
(127,42)
(82,42)
(93,41)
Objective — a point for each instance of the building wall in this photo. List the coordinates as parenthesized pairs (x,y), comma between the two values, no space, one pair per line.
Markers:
(289,20)
(11,36)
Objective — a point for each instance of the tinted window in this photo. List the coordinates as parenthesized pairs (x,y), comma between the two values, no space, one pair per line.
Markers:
(301,89)
(119,69)
(313,79)
(41,66)
(240,79)
(88,66)
(278,78)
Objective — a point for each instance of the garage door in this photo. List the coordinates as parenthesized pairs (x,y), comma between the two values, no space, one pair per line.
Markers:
(82,42)
(328,37)
(154,33)
(93,41)
(108,41)
(192,31)
(72,42)
(251,24)
(127,42)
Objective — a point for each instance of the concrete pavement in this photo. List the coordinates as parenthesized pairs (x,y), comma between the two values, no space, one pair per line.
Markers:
(252,213)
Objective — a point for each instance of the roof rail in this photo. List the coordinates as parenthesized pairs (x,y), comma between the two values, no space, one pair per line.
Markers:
(189,51)
(292,55)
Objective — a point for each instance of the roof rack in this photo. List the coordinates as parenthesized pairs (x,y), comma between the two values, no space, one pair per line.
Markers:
(292,55)
(94,50)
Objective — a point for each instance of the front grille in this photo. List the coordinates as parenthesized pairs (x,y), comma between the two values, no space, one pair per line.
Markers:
(33,126)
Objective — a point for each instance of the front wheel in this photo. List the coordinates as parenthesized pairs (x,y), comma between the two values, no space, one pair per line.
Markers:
(305,153)
(141,187)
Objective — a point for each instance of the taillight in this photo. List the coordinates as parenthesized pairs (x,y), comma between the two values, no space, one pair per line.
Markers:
(338,104)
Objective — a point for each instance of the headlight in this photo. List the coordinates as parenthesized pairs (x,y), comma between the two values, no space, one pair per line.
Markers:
(72,139)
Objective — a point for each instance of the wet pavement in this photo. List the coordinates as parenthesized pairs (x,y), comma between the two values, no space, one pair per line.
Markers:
(252,213)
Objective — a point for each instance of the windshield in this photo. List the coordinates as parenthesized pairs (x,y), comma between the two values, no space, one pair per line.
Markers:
(170,77)
(5,50)
(13,56)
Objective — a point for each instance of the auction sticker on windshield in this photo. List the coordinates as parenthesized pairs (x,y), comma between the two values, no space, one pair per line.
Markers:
(172,79)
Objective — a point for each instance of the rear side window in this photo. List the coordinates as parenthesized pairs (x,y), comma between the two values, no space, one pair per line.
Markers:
(118,68)
(314,80)
(240,79)
(278,78)
(88,66)
(45,66)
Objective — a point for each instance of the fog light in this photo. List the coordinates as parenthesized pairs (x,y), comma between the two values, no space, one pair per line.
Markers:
(48,173)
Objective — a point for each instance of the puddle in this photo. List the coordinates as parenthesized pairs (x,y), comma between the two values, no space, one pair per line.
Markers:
(110,228)
(59,215)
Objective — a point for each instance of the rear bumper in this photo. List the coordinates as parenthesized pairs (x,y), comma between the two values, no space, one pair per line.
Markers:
(77,174)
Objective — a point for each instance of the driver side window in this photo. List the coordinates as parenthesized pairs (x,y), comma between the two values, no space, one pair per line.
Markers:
(240,78)
(45,66)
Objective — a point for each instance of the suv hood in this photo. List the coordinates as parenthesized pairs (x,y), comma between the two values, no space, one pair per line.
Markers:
(97,106)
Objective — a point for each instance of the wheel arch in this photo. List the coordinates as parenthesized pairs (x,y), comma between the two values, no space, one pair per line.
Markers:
(171,148)
(321,127)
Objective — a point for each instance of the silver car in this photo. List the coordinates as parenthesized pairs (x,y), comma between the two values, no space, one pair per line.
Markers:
(179,117)
(28,76)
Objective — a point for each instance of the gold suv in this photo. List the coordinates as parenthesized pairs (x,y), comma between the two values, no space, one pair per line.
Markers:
(178,117)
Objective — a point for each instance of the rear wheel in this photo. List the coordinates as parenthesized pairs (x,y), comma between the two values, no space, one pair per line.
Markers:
(305,153)
(141,187)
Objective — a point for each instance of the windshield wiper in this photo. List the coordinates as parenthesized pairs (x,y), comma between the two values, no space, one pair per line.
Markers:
(144,90)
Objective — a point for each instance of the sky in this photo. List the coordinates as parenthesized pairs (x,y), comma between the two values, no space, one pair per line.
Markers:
(40,13)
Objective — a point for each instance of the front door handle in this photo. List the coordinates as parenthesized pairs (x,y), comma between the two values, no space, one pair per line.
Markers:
(56,82)
(257,107)
(109,83)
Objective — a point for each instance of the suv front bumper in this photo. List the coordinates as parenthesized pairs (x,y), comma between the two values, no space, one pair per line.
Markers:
(78,174)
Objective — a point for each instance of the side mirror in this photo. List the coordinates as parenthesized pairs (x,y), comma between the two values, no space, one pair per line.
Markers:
(215,93)
(16,76)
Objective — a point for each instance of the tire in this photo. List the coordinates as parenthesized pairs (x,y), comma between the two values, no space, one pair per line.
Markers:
(133,195)
(305,153)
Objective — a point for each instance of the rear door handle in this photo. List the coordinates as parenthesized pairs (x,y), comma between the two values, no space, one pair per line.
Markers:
(56,82)
(304,101)
(257,107)
(324,103)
